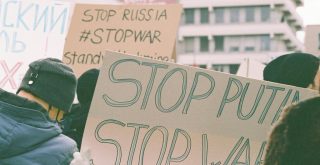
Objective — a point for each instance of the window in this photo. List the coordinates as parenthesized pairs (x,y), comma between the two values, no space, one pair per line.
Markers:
(249,49)
(265,13)
(234,68)
(234,14)
(234,49)
(250,42)
(219,15)
(204,66)
(265,43)
(204,15)
(189,16)
(219,68)
(204,44)
(189,44)
(249,14)
(234,43)
(219,43)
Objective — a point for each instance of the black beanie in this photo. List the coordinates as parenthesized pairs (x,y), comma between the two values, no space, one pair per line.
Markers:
(86,86)
(297,69)
(52,81)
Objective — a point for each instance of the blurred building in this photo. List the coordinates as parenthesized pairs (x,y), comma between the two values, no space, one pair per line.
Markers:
(220,34)
(312,39)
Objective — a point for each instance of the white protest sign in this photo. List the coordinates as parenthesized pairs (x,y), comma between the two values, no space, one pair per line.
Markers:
(153,112)
(144,30)
(150,1)
(29,30)
(251,69)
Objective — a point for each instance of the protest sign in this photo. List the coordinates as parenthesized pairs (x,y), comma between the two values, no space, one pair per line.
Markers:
(143,30)
(149,1)
(153,112)
(174,53)
(29,30)
(251,68)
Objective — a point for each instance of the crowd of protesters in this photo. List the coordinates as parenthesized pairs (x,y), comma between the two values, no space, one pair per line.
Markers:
(40,125)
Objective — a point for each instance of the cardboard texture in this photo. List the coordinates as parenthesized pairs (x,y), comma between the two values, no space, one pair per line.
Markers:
(143,30)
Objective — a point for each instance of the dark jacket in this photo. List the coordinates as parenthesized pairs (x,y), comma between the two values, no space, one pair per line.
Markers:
(28,136)
(74,123)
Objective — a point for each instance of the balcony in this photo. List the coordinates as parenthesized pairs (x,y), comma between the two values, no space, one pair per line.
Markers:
(226,58)
(299,2)
(288,7)
(281,30)
(232,3)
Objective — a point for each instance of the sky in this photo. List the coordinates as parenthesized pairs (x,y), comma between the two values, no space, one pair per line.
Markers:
(310,14)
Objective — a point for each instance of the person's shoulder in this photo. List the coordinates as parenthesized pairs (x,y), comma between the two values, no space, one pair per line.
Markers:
(63,148)
(66,145)
(5,95)
(66,142)
(69,147)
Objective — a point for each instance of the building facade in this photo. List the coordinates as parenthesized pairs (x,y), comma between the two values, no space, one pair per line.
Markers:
(220,34)
(312,39)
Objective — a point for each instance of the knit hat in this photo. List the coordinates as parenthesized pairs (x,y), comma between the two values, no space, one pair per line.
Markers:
(52,81)
(297,69)
(86,85)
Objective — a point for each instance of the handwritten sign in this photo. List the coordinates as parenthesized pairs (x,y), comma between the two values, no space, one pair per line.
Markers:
(153,112)
(143,30)
(29,30)
(150,1)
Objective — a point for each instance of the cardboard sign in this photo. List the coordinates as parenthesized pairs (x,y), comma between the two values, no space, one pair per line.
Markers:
(152,112)
(143,30)
(149,1)
(251,68)
(29,30)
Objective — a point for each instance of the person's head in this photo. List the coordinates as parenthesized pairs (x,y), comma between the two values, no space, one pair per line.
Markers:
(86,86)
(297,69)
(295,140)
(50,83)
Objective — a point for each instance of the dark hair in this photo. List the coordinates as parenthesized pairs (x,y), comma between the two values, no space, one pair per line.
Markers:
(297,69)
(295,140)
(86,86)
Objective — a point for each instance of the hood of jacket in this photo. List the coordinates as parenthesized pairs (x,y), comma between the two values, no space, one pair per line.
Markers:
(24,125)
